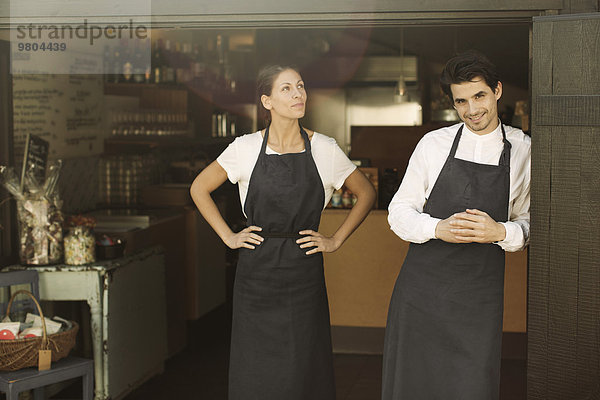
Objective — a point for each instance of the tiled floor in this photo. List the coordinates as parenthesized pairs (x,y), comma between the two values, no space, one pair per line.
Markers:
(200,372)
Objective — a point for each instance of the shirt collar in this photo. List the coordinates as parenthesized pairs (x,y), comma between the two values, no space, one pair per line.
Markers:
(494,135)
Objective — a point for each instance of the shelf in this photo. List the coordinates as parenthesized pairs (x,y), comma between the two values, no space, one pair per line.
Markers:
(135,89)
(219,98)
(152,142)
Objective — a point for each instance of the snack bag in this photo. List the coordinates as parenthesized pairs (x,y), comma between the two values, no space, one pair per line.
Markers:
(51,326)
(34,331)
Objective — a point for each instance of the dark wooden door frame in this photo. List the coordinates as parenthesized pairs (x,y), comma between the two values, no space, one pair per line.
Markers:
(564,269)
(7,217)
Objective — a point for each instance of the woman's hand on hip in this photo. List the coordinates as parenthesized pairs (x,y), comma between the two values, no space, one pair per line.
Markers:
(318,242)
(244,238)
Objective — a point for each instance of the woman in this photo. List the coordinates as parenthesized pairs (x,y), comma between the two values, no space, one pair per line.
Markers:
(281,343)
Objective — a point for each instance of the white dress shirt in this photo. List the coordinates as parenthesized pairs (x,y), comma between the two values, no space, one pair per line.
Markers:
(406,216)
(240,156)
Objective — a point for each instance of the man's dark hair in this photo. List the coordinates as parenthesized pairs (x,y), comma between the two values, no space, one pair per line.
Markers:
(465,67)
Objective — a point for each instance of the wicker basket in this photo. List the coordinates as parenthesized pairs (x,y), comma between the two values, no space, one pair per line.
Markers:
(22,353)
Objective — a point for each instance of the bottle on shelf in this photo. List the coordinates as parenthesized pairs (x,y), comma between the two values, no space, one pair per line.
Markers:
(150,122)
(223,124)
(116,66)
(138,64)
(182,62)
(107,62)
(168,72)
(198,65)
(221,67)
(347,199)
(336,199)
(220,47)
(157,61)
(127,65)
(148,73)
(189,67)
(147,60)
(229,79)
(176,62)
(216,124)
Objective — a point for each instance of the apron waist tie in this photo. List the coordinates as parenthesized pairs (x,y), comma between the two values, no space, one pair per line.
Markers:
(283,235)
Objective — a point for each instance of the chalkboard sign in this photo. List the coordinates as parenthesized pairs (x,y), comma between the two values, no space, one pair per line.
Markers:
(35,158)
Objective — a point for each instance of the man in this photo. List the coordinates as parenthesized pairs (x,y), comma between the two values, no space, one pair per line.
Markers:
(463,202)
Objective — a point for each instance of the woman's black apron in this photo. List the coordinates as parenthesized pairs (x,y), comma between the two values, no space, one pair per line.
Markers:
(444,327)
(281,338)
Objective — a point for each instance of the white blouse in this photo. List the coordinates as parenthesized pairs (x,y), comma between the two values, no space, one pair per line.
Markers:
(406,216)
(240,156)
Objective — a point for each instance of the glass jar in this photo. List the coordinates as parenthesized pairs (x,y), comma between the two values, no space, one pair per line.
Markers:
(40,232)
(80,246)
(336,198)
(347,199)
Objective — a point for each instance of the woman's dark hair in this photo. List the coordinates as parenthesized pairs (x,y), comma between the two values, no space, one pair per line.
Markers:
(465,67)
(264,85)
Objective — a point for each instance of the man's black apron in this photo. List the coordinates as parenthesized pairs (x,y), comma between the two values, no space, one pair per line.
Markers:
(281,338)
(444,328)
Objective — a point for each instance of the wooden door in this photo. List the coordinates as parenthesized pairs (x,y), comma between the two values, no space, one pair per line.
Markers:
(564,274)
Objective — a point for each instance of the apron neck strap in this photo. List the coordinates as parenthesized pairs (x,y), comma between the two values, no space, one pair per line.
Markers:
(263,146)
(456,140)
(504,157)
(305,137)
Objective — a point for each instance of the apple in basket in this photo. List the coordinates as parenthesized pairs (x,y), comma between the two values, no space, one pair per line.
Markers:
(5,334)
(9,330)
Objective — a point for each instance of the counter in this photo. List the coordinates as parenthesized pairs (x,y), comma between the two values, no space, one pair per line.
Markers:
(360,276)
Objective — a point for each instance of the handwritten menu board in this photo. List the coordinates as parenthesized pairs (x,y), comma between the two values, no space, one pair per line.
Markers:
(64,110)
(35,158)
